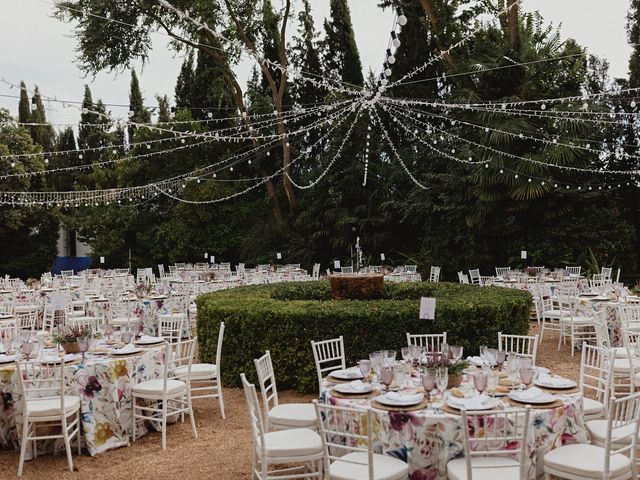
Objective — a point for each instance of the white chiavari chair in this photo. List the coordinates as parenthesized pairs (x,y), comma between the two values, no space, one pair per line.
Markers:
(502,271)
(316,271)
(603,338)
(280,416)
(206,378)
(169,396)
(606,273)
(577,328)
(329,356)
(474,276)
(274,451)
(45,404)
(171,325)
(462,278)
(596,380)
(629,317)
(349,455)
(596,281)
(574,270)
(523,345)
(432,342)
(48,318)
(615,454)
(26,321)
(434,274)
(627,370)
(492,455)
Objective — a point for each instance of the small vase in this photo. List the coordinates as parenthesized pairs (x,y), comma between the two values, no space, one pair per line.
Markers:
(454,380)
(71,347)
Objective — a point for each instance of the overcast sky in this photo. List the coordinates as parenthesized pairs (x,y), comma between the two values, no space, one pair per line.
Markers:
(40,50)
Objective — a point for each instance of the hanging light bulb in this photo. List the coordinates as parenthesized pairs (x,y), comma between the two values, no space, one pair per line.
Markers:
(387,69)
(402,19)
(390,57)
(395,41)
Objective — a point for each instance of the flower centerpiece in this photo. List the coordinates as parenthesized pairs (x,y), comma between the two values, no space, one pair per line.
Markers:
(455,368)
(531,271)
(68,338)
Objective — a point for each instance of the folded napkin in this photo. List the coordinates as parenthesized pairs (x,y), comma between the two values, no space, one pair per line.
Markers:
(531,394)
(403,399)
(547,379)
(128,348)
(475,360)
(348,373)
(150,339)
(473,403)
(7,358)
(52,358)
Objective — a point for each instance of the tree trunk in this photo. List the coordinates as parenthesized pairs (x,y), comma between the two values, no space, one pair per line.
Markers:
(514,29)
(427,6)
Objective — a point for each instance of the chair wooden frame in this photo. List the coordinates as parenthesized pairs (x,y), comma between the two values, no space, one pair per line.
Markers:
(328,352)
(432,342)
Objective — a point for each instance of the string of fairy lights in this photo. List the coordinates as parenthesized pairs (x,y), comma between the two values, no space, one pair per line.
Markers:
(433,124)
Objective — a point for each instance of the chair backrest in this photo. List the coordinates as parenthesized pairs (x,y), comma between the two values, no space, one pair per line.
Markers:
(623,417)
(629,317)
(26,320)
(603,340)
(523,345)
(85,323)
(267,382)
(316,271)
(161,270)
(7,330)
(257,427)
(606,272)
(597,280)
(434,274)
(501,431)
(502,271)
(474,275)
(631,341)
(66,273)
(219,349)
(596,372)
(411,268)
(48,318)
(41,380)
(346,270)
(432,342)
(170,326)
(337,439)
(462,278)
(574,270)
(179,354)
(329,356)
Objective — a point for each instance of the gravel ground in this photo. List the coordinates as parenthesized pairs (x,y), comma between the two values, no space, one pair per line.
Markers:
(222,449)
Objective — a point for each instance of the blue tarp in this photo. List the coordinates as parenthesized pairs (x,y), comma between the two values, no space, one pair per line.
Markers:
(76,264)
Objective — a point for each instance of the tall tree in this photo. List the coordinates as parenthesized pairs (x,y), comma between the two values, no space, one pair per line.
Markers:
(306,57)
(24,108)
(184,84)
(137,111)
(42,133)
(341,55)
(164,110)
(633,34)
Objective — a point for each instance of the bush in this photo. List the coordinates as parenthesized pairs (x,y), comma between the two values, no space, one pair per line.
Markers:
(284,318)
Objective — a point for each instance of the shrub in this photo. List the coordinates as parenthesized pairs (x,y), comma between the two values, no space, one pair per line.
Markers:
(284,318)
(356,287)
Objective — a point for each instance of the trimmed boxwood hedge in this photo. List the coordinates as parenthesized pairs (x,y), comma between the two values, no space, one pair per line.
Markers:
(285,317)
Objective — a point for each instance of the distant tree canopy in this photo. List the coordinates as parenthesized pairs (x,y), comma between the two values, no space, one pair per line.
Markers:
(468,216)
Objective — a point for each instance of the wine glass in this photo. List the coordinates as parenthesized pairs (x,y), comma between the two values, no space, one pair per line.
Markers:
(83,345)
(386,376)
(500,358)
(456,352)
(415,353)
(480,382)
(525,362)
(444,349)
(483,353)
(526,376)
(374,358)
(442,379)
(7,341)
(429,381)
(493,380)
(365,367)
(491,356)
(36,346)
(108,330)
(126,336)
(27,347)
(406,353)
(390,359)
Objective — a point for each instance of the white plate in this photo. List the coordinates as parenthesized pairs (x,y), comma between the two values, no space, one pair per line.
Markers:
(541,400)
(348,389)
(130,352)
(402,401)
(149,342)
(488,405)
(566,383)
(7,358)
(347,375)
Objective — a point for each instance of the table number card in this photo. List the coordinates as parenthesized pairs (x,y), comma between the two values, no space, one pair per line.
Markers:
(427,308)
(101,259)
(382,257)
(336,265)
(523,254)
(206,255)
(212,259)
(279,256)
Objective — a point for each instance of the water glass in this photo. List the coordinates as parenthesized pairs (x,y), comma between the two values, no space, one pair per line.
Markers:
(456,352)
(108,330)
(406,355)
(126,336)
(491,355)
(386,376)
(483,353)
(365,367)
(429,380)
(526,376)
(480,381)
(27,347)
(390,359)
(444,349)
(415,353)
(500,358)
(442,378)
(525,362)
(376,362)
(402,375)
(493,380)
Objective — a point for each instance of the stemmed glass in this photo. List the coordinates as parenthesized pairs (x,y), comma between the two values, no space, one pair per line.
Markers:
(526,376)
(480,382)
(444,349)
(415,353)
(83,345)
(365,367)
(406,354)
(390,359)
(483,353)
(386,376)
(375,359)
(442,379)
(7,341)
(456,352)
(27,347)
(429,381)
(126,336)
(500,358)
(108,330)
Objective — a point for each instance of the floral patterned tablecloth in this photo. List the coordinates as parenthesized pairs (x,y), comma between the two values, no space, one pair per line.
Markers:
(427,439)
(104,388)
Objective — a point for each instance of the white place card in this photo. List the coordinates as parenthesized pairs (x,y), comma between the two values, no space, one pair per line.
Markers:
(279,256)
(336,264)
(382,257)
(212,259)
(101,259)
(523,254)
(427,308)
(206,255)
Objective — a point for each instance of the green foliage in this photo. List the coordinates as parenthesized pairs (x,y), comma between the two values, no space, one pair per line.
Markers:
(258,318)
(341,56)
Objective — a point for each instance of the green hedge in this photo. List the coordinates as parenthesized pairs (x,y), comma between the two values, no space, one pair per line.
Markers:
(284,318)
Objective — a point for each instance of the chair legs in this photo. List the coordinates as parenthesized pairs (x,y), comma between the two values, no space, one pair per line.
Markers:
(221,400)
(23,445)
(67,443)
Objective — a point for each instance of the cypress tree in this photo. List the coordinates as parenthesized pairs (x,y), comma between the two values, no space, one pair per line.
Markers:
(138,113)
(163,108)
(341,52)
(633,34)
(24,109)
(42,134)
(184,83)
(66,141)
(305,57)
(209,91)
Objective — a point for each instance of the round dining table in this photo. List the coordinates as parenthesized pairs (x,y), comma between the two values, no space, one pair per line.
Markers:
(430,434)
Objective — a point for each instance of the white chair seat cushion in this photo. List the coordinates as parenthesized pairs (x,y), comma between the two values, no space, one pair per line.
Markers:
(198,371)
(624,364)
(296,442)
(619,436)
(620,352)
(592,407)
(582,321)
(385,467)
(45,407)
(294,415)
(25,308)
(78,313)
(586,461)
(154,387)
(484,468)
(121,320)
(551,313)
